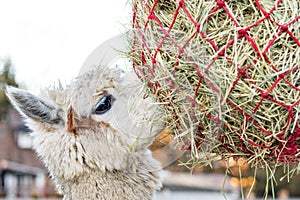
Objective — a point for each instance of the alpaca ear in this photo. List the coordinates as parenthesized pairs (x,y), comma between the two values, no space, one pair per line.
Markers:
(33,107)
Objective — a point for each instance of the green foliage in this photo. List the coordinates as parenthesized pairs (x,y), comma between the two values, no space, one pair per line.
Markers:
(7,77)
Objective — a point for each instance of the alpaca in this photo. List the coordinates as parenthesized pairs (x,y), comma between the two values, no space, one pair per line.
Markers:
(93,136)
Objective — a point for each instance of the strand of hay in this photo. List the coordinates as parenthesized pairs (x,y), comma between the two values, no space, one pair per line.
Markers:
(226,73)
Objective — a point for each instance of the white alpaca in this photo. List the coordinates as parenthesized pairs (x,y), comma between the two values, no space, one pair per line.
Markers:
(94,135)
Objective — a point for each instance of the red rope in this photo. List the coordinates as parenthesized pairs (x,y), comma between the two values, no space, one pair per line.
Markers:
(288,146)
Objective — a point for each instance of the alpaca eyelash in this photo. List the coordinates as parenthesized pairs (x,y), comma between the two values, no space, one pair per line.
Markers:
(100,92)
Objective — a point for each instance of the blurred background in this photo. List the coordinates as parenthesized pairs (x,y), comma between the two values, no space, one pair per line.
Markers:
(45,41)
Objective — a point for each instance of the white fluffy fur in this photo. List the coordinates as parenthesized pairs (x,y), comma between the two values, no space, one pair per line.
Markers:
(109,157)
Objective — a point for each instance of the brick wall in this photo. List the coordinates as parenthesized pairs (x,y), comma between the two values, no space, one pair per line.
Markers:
(9,149)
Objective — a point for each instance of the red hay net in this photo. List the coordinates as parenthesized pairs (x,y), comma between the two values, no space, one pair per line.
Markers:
(287,143)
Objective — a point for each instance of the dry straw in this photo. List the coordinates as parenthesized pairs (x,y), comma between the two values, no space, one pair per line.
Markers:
(226,73)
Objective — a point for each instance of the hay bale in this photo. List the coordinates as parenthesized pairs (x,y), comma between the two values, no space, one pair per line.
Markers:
(226,73)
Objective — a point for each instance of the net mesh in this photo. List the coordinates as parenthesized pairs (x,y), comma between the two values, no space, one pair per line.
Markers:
(226,74)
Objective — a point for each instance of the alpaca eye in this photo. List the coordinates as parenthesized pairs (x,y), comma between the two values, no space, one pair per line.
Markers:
(104,104)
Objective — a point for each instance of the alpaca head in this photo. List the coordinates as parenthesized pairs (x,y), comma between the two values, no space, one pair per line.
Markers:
(101,121)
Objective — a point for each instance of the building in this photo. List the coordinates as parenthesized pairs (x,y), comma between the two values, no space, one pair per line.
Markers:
(21,172)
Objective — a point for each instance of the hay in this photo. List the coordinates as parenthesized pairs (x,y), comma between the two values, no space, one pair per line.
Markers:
(226,74)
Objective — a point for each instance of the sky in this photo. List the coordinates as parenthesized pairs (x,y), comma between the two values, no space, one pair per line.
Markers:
(49,40)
